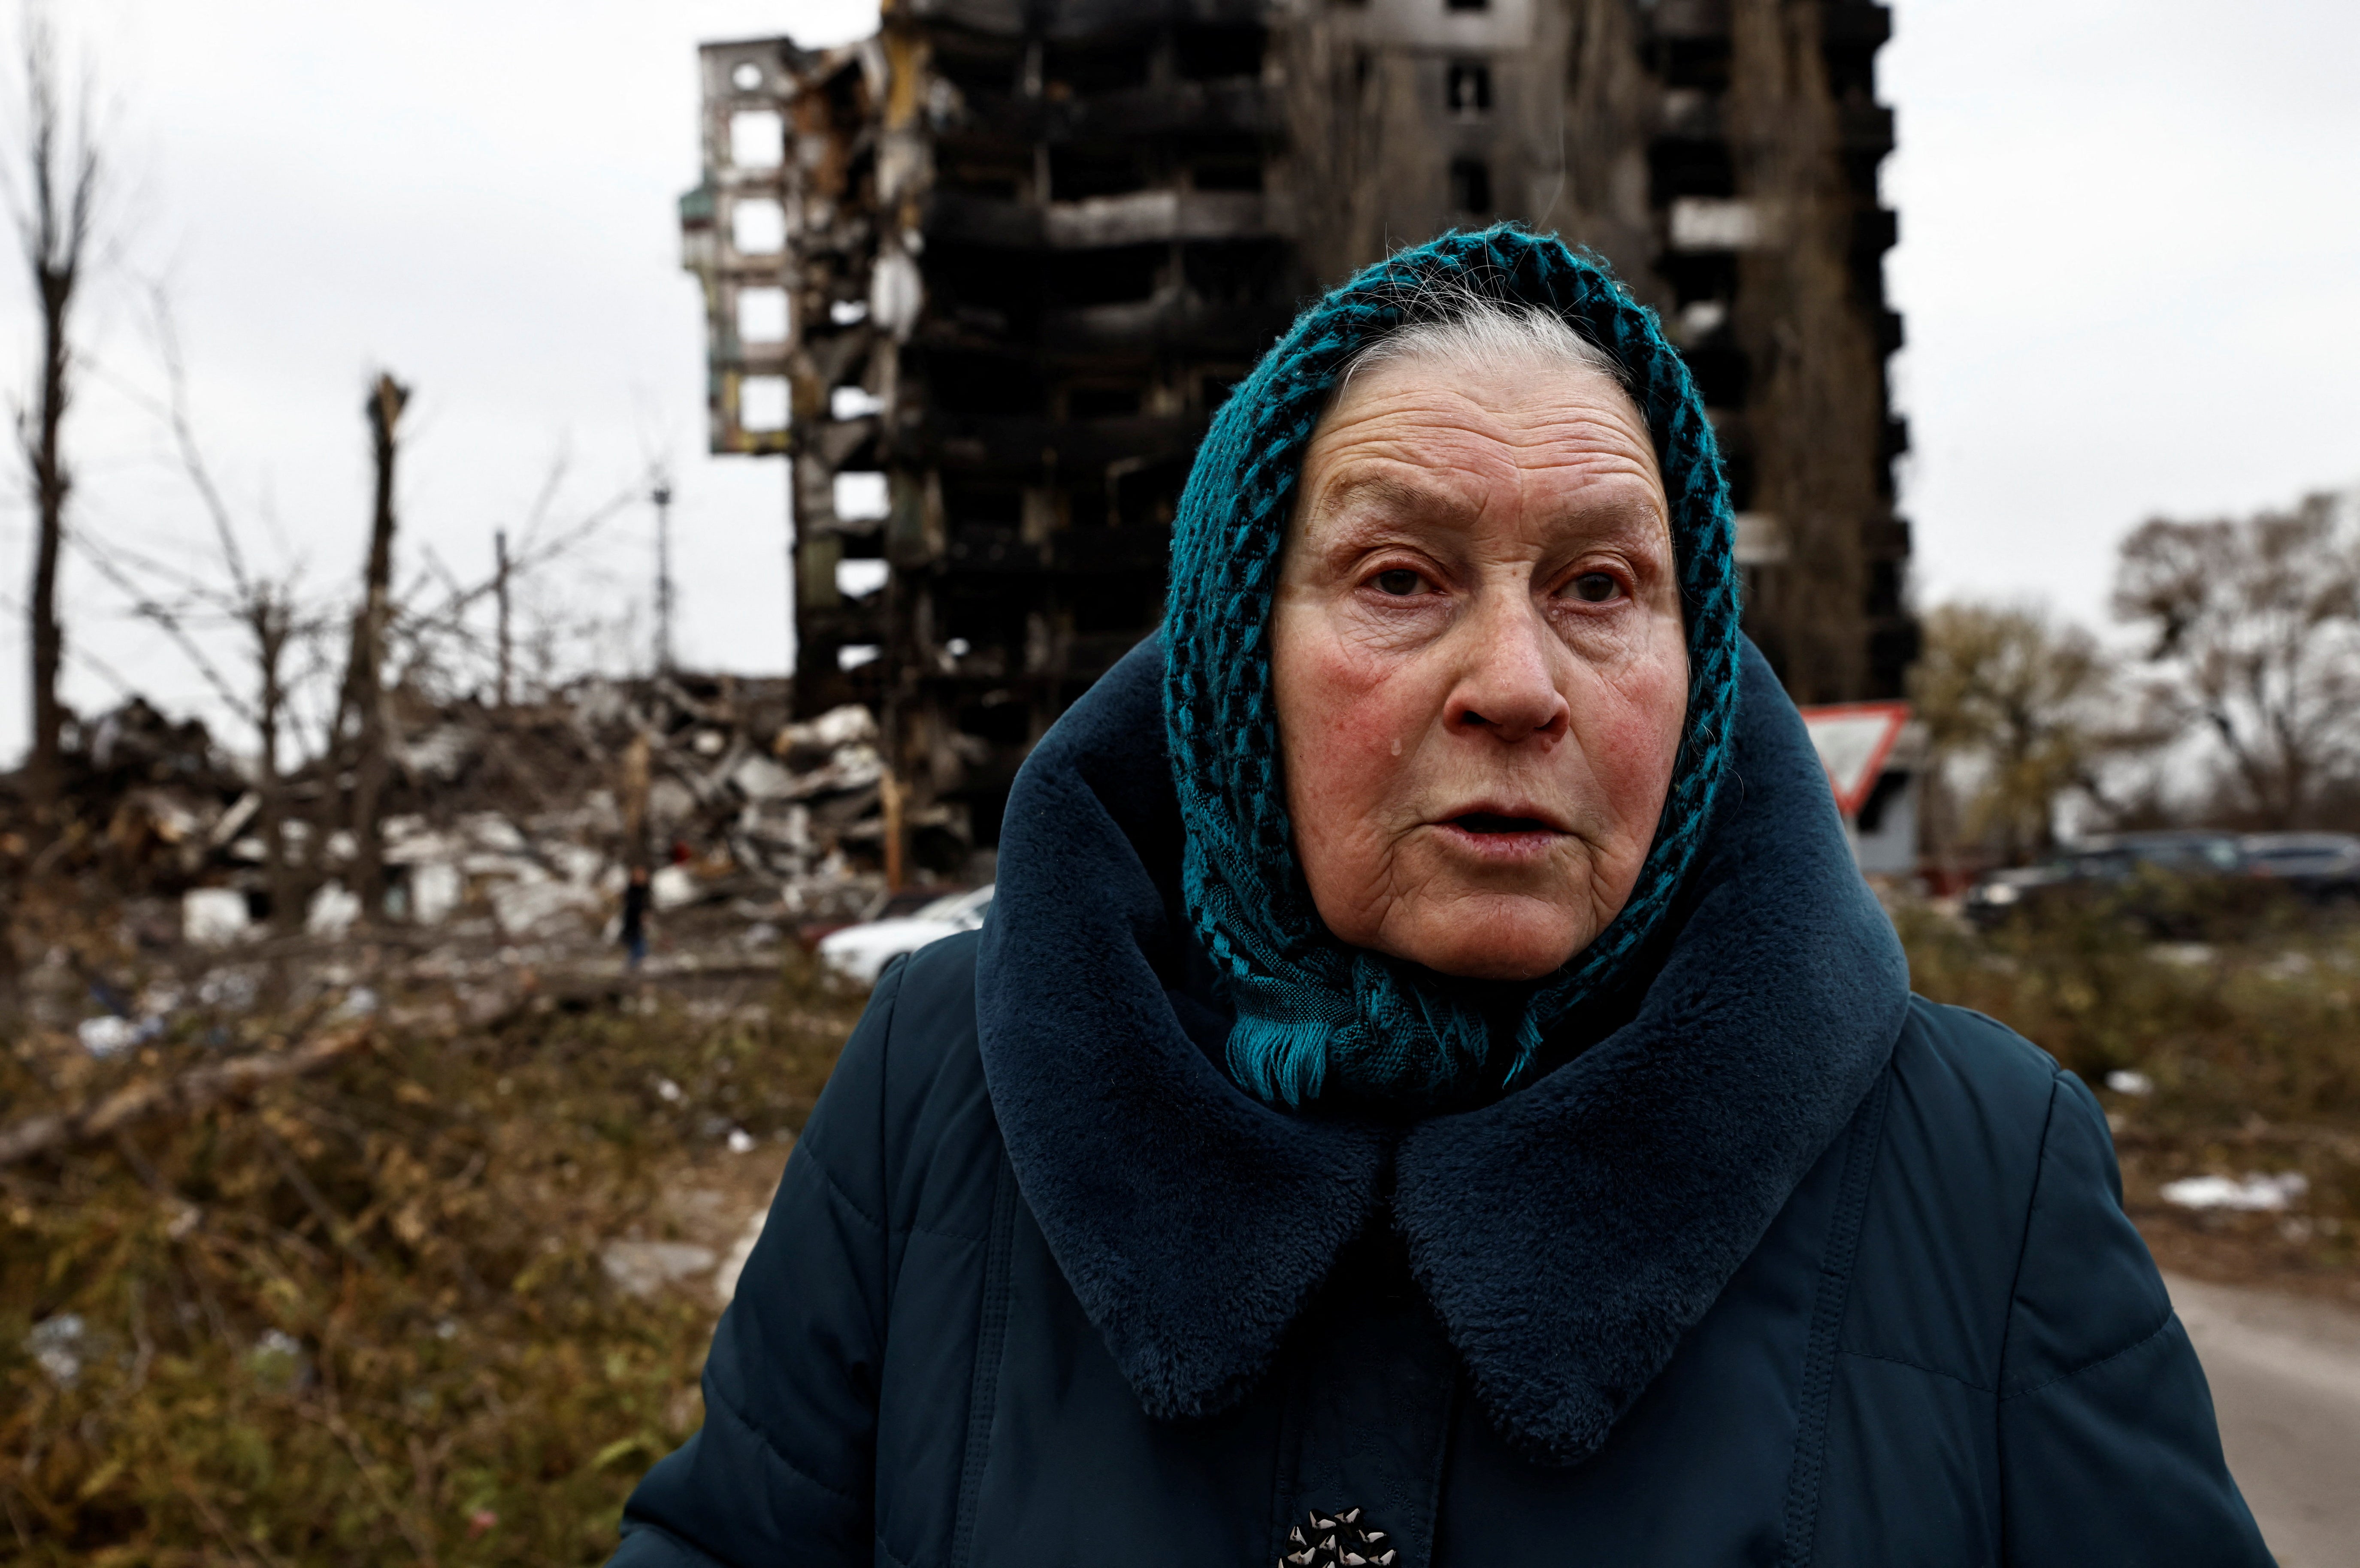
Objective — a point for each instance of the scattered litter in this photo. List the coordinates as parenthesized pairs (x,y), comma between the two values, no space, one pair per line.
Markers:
(277,1358)
(232,990)
(2255,1193)
(107,1035)
(2126,1082)
(55,1346)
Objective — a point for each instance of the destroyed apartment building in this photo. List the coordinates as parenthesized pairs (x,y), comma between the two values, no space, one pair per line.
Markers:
(984,278)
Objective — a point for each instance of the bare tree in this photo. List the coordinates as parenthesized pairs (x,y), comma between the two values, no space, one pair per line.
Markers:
(2254,636)
(2016,712)
(264,608)
(55,215)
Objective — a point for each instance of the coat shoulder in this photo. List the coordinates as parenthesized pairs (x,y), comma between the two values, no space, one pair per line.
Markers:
(1971,1103)
(1976,1055)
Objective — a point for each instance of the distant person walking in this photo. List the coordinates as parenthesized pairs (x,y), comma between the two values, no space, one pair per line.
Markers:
(634,933)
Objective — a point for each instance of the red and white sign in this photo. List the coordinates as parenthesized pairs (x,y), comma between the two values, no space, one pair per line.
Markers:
(1853,739)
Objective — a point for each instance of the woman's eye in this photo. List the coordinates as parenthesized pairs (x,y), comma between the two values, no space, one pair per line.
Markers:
(1400,582)
(1594,587)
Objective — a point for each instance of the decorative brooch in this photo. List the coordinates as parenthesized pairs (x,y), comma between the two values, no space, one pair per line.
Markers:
(1338,1542)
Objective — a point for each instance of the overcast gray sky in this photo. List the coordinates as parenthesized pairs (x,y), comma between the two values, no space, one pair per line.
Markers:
(2130,265)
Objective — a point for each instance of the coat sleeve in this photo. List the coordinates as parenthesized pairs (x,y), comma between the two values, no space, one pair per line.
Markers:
(783,1470)
(2108,1450)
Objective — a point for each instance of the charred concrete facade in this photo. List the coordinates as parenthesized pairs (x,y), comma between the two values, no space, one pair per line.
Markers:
(985,276)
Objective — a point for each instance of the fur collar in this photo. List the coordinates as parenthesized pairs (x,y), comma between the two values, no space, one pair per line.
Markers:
(1194,1222)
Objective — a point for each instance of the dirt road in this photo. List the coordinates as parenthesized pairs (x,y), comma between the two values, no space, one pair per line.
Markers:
(2285,1380)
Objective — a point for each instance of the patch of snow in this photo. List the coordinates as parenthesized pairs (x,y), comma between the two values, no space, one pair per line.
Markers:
(2126,1083)
(643,1267)
(2255,1193)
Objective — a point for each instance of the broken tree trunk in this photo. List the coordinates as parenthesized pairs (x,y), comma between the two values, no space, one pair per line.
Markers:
(636,759)
(54,227)
(500,590)
(365,681)
(192,1090)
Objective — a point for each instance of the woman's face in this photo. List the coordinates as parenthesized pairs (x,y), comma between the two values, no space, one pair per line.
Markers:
(1480,665)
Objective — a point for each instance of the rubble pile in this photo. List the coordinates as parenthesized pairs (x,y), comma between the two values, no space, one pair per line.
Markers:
(516,823)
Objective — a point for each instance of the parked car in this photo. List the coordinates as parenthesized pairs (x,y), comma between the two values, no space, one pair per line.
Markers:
(2321,867)
(861,952)
(2146,875)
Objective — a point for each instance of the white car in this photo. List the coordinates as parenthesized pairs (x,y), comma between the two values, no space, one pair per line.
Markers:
(861,952)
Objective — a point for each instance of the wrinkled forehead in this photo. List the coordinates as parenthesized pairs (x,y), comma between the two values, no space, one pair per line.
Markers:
(1434,425)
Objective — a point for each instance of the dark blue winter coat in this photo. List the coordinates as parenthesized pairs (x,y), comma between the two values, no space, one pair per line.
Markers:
(1041,1287)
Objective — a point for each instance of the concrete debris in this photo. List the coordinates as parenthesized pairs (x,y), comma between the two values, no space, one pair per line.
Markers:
(517,821)
(333,911)
(213,917)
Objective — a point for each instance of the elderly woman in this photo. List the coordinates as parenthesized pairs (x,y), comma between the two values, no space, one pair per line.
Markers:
(1433,1089)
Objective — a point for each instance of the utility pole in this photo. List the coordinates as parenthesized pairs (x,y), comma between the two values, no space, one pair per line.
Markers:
(661,497)
(500,590)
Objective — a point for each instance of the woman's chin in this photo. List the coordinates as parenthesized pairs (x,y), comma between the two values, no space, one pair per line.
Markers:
(1495,938)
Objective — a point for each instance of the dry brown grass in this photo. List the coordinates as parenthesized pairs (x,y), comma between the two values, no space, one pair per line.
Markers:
(361,1317)
(2252,1044)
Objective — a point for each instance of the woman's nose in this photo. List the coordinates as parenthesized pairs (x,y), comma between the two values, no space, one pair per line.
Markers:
(1506,687)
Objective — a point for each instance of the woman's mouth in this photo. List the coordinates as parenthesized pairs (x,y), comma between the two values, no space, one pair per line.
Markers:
(1502,836)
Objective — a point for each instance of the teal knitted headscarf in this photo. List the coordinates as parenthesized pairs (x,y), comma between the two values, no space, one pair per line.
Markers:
(1315,1015)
